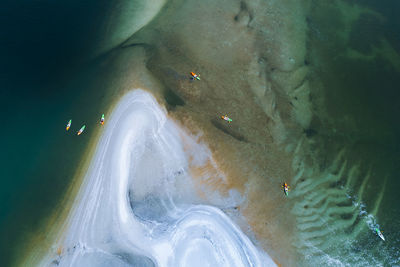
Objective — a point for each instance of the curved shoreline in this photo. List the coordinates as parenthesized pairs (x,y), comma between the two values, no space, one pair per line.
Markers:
(247,135)
(76,235)
(50,229)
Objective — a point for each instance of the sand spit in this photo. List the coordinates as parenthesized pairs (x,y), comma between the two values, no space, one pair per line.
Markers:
(252,59)
(138,203)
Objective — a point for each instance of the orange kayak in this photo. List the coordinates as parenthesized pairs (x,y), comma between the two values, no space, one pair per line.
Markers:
(68,125)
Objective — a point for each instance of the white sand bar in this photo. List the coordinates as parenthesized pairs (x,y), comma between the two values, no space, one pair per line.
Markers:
(137,205)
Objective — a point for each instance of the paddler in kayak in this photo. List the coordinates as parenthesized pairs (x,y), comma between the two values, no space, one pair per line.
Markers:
(102,120)
(195,76)
(285,189)
(81,130)
(229,120)
(68,125)
(379,232)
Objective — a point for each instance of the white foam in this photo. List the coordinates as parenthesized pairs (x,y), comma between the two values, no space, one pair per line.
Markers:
(135,206)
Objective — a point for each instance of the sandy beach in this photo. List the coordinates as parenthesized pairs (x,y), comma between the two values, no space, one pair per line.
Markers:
(254,67)
(310,89)
(237,71)
(139,229)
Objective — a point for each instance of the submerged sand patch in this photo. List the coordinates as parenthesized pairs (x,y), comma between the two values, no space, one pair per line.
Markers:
(137,200)
(252,59)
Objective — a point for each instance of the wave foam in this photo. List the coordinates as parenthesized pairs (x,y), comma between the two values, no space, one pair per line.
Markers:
(136,204)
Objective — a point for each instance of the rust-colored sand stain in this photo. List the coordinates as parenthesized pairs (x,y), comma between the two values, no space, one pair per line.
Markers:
(251,63)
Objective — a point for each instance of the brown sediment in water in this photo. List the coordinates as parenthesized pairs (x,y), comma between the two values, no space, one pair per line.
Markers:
(256,171)
(254,68)
(251,60)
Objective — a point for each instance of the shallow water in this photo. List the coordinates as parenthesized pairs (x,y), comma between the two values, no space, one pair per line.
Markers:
(123,218)
(40,45)
(347,180)
(356,134)
(48,75)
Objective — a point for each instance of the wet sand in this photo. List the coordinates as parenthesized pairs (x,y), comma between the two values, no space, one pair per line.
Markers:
(101,204)
(257,67)
(254,73)
(257,75)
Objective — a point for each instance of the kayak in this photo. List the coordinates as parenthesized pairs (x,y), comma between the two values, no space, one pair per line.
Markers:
(68,125)
(102,120)
(285,189)
(195,76)
(226,118)
(81,130)
(380,234)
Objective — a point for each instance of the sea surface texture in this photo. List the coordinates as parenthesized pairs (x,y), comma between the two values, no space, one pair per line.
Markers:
(312,91)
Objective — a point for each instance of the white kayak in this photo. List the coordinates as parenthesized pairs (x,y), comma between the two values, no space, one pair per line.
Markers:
(81,130)
(380,234)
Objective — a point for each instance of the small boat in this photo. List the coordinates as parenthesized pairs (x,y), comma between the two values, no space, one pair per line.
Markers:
(285,189)
(195,76)
(102,120)
(226,118)
(81,130)
(68,125)
(380,234)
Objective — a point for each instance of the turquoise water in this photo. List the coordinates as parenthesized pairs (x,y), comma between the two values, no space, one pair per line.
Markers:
(362,103)
(46,80)
(42,50)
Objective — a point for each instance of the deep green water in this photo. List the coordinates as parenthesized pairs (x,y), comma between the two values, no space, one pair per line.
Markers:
(46,80)
(362,100)
(43,51)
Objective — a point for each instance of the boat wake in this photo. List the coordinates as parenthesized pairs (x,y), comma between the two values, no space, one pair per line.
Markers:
(334,226)
(138,203)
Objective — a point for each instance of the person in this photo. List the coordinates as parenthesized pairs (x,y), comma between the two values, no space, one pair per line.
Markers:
(226,118)
(195,76)
(285,188)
